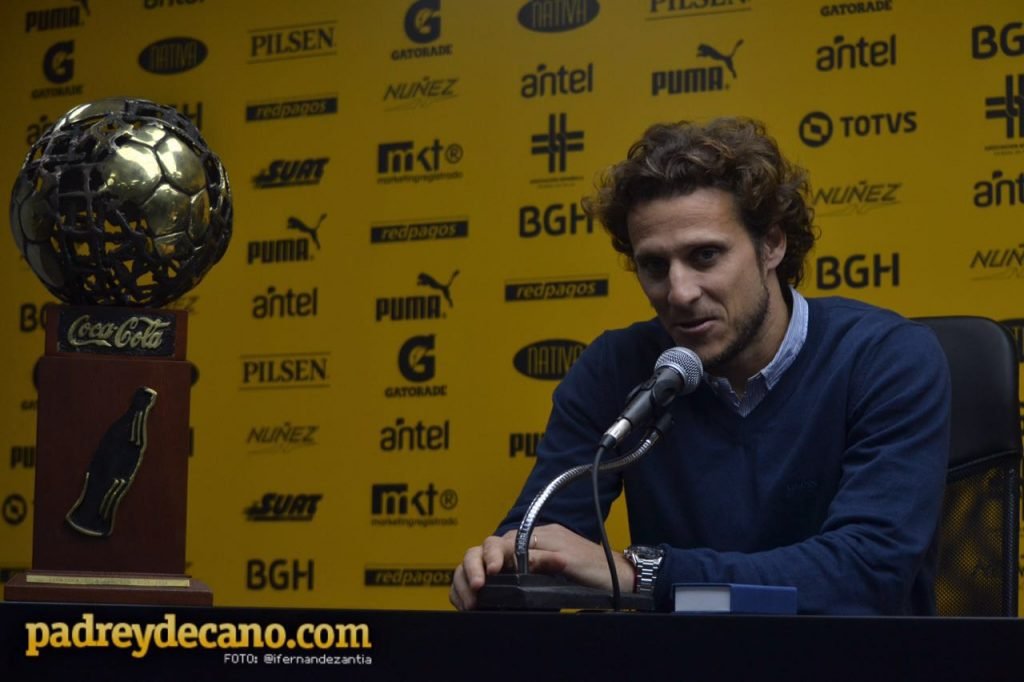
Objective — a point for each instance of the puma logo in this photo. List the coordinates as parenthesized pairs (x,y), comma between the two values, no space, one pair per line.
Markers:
(296,224)
(705,50)
(425,280)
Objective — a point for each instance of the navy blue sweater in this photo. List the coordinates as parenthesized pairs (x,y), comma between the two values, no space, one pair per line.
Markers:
(833,484)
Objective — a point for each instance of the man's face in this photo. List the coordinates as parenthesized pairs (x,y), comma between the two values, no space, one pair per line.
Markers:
(711,288)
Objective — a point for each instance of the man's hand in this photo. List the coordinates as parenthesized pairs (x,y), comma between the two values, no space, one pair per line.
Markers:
(553,549)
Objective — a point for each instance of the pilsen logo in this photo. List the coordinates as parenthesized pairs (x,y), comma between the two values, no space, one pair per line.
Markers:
(116,333)
(172,55)
(550,359)
(556,16)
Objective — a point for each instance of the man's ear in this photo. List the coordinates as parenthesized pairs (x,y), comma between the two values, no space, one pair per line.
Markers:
(773,247)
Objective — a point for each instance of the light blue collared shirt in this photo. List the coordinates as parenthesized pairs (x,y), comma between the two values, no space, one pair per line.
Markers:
(762,382)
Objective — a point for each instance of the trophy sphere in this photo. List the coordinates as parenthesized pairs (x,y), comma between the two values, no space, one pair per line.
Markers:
(121,203)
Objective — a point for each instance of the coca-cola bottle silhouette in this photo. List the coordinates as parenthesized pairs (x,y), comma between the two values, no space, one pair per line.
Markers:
(113,468)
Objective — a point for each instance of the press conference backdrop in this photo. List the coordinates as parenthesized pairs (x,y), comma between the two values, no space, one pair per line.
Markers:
(411,272)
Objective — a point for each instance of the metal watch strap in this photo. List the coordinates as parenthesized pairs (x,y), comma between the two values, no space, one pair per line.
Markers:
(646,561)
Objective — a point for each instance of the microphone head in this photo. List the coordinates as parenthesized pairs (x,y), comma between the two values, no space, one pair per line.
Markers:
(686,363)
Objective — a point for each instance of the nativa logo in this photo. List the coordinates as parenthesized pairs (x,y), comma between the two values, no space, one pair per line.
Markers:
(549,359)
(556,16)
(172,55)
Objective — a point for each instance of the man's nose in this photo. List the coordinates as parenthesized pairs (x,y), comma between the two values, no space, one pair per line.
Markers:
(684,286)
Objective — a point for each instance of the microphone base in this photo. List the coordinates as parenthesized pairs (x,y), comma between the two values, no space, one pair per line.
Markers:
(538,592)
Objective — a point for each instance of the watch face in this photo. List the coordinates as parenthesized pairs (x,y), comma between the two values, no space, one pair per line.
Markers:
(642,552)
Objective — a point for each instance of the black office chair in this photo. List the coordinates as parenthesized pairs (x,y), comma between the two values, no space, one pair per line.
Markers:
(979,531)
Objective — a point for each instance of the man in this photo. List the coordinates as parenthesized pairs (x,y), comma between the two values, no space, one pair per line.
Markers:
(814,452)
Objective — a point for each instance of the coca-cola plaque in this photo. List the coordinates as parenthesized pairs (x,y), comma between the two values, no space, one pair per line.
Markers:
(116,331)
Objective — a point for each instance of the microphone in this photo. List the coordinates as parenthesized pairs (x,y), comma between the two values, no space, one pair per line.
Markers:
(677,372)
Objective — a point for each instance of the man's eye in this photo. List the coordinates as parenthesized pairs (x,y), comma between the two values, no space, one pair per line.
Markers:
(652,267)
(705,256)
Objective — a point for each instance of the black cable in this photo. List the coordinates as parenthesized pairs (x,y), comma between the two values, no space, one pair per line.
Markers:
(616,596)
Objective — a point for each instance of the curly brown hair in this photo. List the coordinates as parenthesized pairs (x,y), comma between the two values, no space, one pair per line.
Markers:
(732,154)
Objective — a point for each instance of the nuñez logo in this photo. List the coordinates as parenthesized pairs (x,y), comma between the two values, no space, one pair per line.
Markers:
(420,307)
(999,263)
(283,438)
(855,199)
(172,55)
(549,360)
(419,93)
(556,16)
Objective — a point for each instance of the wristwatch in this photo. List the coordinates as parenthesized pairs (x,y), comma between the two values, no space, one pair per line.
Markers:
(647,562)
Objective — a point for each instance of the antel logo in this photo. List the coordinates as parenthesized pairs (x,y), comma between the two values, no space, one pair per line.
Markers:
(549,359)
(172,55)
(1000,190)
(557,16)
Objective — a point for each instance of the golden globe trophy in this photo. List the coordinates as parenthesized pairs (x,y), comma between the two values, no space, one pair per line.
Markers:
(119,209)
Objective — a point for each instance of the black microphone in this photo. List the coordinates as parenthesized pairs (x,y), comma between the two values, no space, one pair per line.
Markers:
(677,372)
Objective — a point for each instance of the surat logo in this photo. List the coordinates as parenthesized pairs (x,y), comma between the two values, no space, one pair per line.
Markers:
(172,55)
(58,17)
(816,128)
(556,143)
(278,507)
(312,105)
(405,162)
(301,41)
(546,290)
(59,68)
(999,191)
(697,79)
(681,9)
(399,308)
(557,16)
(548,360)
(423,230)
(284,371)
(1005,263)
(418,94)
(855,199)
(285,173)
(423,25)
(283,438)
(561,81)
(861,54)
(286,250)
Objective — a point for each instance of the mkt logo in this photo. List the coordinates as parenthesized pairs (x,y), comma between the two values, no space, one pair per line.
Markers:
(557,16)
(549,359)
(402,500)
(418,307)
(299,41)
(697,79)
(406,161)
(289,249)
(291,173)
(422,26)
(817,127)
(284,507)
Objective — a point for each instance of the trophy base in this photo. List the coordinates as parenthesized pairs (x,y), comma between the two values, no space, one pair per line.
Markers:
(107,587)
(535,592)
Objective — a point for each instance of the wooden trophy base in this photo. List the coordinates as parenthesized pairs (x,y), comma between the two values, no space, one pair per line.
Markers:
(95,587)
